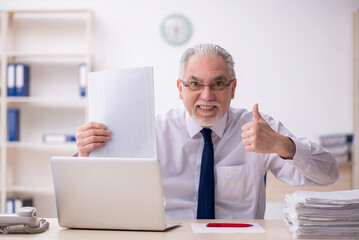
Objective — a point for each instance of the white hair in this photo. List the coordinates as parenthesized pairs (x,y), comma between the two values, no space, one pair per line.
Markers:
(207,49)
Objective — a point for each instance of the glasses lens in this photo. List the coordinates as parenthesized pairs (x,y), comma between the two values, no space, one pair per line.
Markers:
(195,86)
(218,87)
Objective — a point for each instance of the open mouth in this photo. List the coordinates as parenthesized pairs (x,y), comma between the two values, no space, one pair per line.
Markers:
(206,107)
(207,110)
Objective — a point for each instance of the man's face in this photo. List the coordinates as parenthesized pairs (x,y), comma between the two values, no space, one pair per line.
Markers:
(206,106)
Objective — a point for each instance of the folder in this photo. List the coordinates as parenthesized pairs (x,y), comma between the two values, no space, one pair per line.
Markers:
(22,80)
(82,76)
(13,124)
(17,204)
(10,79)
(58,138)
(10,205)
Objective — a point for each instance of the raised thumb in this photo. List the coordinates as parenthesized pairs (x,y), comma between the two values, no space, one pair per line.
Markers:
(257,116)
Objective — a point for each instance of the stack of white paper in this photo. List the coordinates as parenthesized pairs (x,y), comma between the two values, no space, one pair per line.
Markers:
(323,214)
(123,100)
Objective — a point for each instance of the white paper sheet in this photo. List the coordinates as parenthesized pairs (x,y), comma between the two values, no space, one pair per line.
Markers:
(123,100)
(323,214)
(201,228)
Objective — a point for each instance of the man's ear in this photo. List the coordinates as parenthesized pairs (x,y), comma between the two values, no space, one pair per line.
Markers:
(179,86)
(234,85)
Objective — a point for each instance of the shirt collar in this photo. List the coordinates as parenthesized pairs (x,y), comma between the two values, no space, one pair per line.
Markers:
(194,128)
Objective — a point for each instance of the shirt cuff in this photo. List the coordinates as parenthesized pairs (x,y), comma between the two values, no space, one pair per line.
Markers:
(302,154)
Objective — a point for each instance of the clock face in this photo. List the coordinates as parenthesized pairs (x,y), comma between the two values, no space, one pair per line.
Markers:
(176,29)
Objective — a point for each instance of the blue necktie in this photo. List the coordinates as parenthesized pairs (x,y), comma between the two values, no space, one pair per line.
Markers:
(205,207)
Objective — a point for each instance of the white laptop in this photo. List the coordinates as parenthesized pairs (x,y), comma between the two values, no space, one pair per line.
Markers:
(109,193)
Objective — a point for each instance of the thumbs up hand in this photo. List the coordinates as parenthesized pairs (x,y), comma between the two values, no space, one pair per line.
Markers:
(259,137)
(257,116)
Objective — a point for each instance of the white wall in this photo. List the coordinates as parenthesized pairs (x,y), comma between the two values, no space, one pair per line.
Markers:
(294,58)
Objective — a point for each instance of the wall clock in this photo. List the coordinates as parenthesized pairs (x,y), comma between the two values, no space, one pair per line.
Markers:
(176,29)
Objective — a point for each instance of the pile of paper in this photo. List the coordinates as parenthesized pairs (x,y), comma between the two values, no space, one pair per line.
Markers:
(323,214)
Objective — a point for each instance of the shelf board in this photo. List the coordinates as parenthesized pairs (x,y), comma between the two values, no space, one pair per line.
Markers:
(77,100)
(30,189)
(345,164)
(48,55)
(52,11)
(70,146)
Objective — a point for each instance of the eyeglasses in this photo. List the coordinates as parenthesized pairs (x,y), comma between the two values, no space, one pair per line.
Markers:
(216,86)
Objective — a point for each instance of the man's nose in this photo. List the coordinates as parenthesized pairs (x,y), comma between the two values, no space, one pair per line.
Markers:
(207,93)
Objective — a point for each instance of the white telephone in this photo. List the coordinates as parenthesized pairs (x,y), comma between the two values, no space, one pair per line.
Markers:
(24,221)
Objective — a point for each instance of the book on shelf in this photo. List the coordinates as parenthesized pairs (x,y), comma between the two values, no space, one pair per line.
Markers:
(82,78)
(340,145)
(10,79)
(22,77)
(58,138)
(336,139)
(10,205)
(13,131)
(17,80)
(14,204)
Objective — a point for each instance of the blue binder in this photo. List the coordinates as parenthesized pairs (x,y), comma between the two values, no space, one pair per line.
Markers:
(10,79)
(82,75)
(70,138)
(10,205)
(13,124)
(22,76)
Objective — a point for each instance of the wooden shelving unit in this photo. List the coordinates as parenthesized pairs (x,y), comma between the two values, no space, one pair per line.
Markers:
(52,43)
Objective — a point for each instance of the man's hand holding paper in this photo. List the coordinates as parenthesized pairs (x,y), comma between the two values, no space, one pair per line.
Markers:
(91,136)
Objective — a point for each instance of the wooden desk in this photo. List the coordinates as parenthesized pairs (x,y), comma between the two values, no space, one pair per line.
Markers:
(275,229)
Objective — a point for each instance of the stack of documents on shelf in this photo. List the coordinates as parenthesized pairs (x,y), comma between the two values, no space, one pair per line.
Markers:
(323,214)
(340,145)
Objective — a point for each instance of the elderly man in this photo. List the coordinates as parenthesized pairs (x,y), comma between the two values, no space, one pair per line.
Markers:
(214,157)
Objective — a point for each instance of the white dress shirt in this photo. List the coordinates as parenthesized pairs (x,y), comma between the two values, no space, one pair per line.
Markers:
(239,175)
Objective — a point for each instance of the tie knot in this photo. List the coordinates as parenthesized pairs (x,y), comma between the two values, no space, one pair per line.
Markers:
(207,134)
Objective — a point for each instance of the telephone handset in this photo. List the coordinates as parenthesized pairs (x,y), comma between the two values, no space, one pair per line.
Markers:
(24,221)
